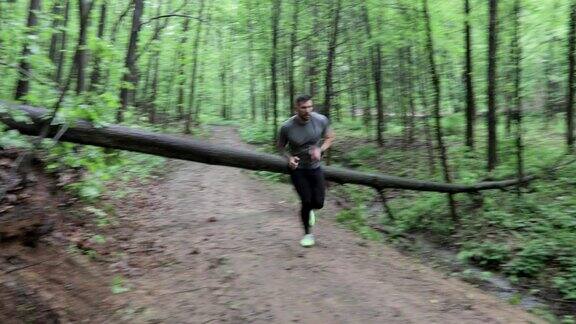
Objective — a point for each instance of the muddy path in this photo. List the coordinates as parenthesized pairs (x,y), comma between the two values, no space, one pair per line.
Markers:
(224,248)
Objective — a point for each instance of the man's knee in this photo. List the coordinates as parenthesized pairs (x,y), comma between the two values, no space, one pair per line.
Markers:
(318,204)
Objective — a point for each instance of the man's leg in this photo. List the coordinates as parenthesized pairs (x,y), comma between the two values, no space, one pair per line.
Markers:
(317,188)
(302,185)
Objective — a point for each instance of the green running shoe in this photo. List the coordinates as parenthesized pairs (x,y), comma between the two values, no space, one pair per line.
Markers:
(307,240)
(312,219)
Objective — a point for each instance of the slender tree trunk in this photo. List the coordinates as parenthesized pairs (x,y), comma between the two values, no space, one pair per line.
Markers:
(468,76)
(437,117)
(154,90)
(491,118)
(551,105)
(352,79)
(130,78)
(57,10)
(114,32)
(311,55)
(411,90)
(367,112)
(251,64)
(223,77)
(181,79)
(80,57)
(376,58)
(96,71)
(331,59)
(378,87)
(23,84)
(427,130)
(571,67)
(149,92)
(276,8)
(194,71)
(403,93)
(61,53)
(292,67)
(517,56)
(200,96)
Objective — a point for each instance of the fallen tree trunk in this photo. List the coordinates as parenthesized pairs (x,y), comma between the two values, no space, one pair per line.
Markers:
(124,138)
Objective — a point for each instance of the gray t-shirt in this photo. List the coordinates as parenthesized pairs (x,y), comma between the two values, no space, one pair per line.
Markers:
(300,137)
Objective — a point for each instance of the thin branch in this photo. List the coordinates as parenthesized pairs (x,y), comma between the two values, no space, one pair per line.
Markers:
(387,208)
(170,15)
(28,74)
(119,21)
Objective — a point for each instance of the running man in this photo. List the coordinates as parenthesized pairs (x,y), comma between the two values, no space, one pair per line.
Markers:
(308,135)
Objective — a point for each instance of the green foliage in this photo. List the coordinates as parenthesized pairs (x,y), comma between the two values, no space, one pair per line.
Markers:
(355,219)
(102,218)
(256,133)
(99,239)
(272,176)
(359,155)
(528,237)
(488,255)
(100,166)
(118,285)
(566,283)
(13,139)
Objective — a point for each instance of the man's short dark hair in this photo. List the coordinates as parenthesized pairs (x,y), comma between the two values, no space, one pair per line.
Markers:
(302,98)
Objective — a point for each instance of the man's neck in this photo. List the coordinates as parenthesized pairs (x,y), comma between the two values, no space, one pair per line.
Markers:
(302,121)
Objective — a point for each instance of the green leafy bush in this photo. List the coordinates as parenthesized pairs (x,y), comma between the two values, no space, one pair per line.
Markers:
(532,259)
(488,255)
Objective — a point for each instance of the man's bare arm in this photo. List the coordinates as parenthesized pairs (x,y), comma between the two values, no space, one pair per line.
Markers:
(328,139)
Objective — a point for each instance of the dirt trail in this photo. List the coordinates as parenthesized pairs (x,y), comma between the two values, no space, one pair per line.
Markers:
(231,254)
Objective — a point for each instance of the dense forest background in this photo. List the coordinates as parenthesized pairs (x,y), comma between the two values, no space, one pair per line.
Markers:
(450,91)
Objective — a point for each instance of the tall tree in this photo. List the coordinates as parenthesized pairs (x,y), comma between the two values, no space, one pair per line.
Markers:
(130,78)
(571,67)
(251,63)
(181,80)
(96,71)
(437,115)
(311,51)
(80,57)
(468,76)
(491,94)
(376,60)
(194,70)
(292,54)
(331,58)
(276,8)
(517,59)
(57,20)
(23,83)
(61,52)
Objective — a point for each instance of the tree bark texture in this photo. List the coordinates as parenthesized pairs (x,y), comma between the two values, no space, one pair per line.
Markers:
(437,117)
(571,67)
(376,58)
(194,70)
(491,117)
(130,78)
(331,58)
(61,53)
(276,7)
(468,75)
(96,71)
(23,84)
(124,138)
(80,57)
